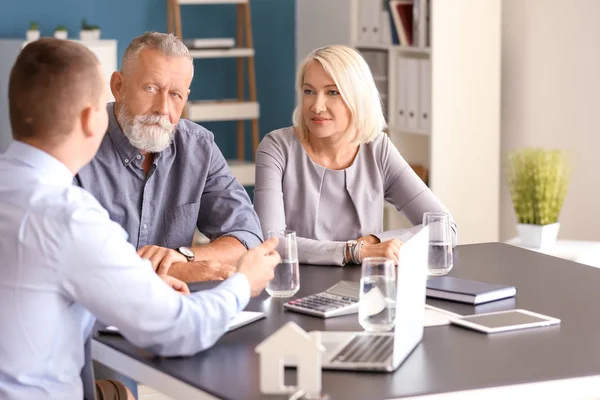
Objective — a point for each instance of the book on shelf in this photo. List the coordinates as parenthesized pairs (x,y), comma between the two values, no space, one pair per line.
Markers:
(402,15)
(210,43)
(410,22)
(420,24)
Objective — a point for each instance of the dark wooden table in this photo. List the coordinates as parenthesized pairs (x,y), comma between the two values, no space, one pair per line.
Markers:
(449,359)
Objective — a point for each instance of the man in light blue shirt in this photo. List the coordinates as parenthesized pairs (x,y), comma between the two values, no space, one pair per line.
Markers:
(64,262)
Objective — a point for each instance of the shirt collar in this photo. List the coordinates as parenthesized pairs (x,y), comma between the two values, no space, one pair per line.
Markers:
(48,167)
(127,152)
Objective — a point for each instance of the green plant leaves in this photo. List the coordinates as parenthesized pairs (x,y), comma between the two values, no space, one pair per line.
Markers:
(538,181)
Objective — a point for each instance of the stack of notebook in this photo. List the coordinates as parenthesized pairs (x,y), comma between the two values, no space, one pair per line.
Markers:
(466,291)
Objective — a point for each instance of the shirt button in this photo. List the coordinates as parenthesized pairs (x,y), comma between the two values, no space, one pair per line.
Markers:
(126,160)
(145,226)
(138,156)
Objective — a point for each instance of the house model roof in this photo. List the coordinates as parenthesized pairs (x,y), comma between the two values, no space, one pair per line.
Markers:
(289,336)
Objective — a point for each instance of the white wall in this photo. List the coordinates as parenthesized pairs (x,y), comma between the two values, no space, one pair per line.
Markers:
(466,62)
(551,98)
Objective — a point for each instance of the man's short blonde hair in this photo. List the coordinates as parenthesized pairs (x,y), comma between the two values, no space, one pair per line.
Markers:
(353,78)
(165,43)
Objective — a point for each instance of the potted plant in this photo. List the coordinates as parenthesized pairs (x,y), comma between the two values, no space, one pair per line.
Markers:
(89,32)
(33,33)
(538,181)
(61,32)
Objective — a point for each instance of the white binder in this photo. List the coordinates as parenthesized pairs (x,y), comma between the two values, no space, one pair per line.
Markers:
(425,78)
(401,92)
(364,22)
(413,105)
(375,21)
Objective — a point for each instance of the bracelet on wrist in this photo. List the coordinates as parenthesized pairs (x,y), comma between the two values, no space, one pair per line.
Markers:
(358,248)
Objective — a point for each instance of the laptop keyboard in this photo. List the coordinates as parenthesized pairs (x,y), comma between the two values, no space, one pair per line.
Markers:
(366,349)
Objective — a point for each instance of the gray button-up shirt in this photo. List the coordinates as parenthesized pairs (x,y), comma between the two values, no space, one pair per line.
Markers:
(189,185)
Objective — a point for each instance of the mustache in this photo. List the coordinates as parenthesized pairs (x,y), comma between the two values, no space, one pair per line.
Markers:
(160,120)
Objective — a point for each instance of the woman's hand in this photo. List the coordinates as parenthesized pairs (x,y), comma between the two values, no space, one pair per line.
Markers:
(369,239)
(388,249)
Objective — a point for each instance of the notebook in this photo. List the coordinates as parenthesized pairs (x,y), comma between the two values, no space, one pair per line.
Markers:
(466,291)
(242,319)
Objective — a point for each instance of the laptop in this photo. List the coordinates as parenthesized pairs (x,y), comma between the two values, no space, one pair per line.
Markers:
(386,351)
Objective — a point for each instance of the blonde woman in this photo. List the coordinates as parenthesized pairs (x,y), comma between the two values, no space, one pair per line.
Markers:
(327,176)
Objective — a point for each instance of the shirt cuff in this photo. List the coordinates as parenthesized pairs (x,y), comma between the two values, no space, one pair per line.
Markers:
(339,254)
(240,286)
(249,240)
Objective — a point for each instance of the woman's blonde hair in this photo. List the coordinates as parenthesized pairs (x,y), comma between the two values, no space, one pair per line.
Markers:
(353,78)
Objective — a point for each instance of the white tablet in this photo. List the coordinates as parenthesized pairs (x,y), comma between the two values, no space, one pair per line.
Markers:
(503,321)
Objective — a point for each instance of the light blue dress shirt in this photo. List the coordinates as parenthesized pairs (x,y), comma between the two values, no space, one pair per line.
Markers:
(63,263)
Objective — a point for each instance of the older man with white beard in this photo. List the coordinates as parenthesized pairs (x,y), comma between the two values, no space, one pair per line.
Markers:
(160,176)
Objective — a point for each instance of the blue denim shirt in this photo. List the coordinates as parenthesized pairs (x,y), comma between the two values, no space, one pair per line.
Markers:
(189,185)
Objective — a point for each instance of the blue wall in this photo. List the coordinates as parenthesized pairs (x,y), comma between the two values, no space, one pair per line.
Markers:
(273,24)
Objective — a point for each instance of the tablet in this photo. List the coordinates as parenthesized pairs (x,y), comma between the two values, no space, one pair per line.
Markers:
(503,321)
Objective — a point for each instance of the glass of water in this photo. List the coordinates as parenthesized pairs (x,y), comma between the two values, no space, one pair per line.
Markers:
(440,259)
(377,304)
(287,273)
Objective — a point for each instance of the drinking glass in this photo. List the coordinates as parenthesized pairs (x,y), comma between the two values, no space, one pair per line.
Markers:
(377,303)
(440,259)
(287,273)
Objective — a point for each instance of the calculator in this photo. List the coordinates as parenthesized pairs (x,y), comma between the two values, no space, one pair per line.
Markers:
(340,299)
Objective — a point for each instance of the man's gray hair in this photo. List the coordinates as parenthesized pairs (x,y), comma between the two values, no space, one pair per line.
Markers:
(166,43)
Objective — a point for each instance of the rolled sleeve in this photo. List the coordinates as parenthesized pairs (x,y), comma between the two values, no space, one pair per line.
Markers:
(249,240)
(226,209)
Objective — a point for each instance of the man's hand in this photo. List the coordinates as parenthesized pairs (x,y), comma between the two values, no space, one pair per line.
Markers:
(161,257)
(203,270)
(176,284)
(258,265)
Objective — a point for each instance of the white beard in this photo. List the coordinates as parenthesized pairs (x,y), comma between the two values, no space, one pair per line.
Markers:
(147,132)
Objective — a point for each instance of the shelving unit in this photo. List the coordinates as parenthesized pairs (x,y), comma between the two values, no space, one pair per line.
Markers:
(222,53)
(395,47)
(245,107)
(222,110)
(188,2)
(453,89)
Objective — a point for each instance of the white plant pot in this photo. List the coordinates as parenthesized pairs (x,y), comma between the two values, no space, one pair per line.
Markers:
(32,35)
(538,236)
(89,34)
(61,34)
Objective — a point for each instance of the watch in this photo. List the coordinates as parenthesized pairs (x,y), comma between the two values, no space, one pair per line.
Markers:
(187,252)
